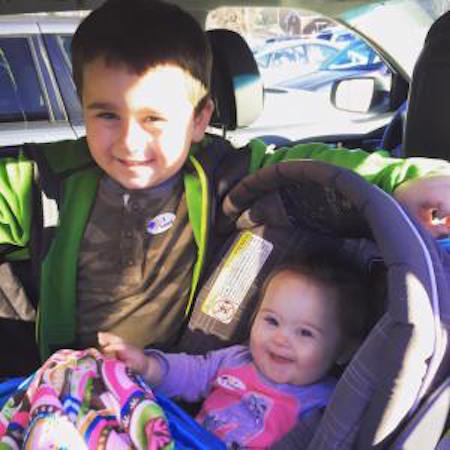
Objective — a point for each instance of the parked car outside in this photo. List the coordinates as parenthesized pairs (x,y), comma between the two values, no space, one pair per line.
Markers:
(355,60)
(337,35)
(38,101)
(299,115)
(285,58)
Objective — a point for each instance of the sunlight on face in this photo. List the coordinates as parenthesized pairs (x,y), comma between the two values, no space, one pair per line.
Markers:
(139,127)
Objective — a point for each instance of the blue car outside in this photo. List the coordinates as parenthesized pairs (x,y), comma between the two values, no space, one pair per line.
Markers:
(355,60)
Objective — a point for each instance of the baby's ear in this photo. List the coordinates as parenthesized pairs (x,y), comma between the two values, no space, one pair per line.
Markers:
(348,351)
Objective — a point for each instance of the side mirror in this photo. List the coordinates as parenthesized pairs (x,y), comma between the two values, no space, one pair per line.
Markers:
(360,95)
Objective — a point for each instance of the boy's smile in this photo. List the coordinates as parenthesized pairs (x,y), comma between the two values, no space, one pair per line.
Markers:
(140,127)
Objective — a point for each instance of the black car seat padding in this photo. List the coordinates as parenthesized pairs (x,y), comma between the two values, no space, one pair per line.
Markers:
(427,132)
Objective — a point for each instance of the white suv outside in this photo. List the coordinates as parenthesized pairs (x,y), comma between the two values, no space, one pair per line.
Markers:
(38,101)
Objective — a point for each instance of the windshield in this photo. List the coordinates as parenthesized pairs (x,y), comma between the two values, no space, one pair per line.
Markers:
(398,28)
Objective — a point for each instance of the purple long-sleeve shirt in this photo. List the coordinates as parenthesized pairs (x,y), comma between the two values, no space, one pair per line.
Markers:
(241,405)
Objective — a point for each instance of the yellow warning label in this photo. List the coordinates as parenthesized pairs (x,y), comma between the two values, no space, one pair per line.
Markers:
(242,264)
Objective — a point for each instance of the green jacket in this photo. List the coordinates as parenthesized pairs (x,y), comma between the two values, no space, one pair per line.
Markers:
(74,184)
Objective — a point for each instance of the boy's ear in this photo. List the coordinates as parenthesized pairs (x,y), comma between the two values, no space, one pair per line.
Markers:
(201,121)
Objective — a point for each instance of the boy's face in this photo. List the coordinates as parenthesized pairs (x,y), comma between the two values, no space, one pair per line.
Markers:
(140,127)
(296,336)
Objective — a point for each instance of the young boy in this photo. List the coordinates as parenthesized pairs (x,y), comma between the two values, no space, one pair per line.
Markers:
(313,315)
(128,247)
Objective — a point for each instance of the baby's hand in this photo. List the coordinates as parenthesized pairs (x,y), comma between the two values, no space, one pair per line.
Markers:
(115,347)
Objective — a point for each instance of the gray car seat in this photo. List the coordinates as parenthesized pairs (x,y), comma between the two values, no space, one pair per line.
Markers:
(405,357)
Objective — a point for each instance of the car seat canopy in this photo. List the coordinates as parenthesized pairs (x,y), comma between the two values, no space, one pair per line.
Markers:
(315,203)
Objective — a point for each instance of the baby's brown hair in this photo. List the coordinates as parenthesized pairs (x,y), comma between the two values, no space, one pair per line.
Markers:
(343,277)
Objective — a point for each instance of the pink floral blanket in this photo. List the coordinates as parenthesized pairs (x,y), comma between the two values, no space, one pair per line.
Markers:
(82,400)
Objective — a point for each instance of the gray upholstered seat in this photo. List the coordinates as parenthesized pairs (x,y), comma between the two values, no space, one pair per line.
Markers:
(406,355)
(427,132)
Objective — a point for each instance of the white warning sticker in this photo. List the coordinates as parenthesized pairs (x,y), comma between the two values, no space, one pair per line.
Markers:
(242,265)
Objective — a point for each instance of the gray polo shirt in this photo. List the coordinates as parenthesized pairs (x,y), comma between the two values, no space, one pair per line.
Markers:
(135,265)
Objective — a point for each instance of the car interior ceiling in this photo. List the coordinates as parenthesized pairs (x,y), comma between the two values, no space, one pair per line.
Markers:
(197,8)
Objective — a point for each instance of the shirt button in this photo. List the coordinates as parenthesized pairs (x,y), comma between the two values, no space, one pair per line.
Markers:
(128,234)
(130,262)
(135,207)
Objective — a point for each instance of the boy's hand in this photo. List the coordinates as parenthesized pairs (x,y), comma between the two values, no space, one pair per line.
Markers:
(428,199)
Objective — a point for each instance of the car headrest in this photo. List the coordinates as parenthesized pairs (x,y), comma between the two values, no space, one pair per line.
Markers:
(427,132)
(236,85)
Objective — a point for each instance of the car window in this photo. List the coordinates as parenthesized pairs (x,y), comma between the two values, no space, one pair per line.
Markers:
(22,98)
(319,53)
(263,60)
(66,44)
(355,55)
(301,55)
(59,49)
(344,38)
(284,57)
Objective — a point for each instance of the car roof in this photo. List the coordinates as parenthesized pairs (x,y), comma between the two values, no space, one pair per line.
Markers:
(27,23)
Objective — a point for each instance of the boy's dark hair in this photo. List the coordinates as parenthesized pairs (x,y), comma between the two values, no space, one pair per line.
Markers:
(337,272)
(142,34)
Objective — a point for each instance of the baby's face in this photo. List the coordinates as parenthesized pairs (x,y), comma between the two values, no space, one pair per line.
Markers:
(296,337)
(139,127)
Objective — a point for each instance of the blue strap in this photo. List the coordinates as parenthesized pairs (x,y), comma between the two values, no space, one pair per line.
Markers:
(8,387)
(445,244)
(186,432)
